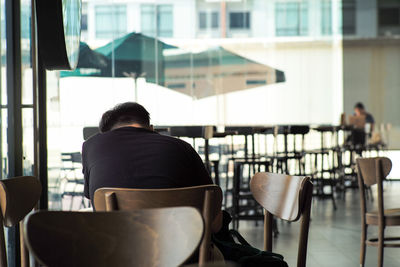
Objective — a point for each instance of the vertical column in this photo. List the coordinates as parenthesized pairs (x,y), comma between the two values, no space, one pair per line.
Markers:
(14,115)
(41,113)
(223,19)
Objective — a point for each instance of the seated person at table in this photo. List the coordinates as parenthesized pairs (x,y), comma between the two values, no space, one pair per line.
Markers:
(359,120)
(359,112)
(127,153)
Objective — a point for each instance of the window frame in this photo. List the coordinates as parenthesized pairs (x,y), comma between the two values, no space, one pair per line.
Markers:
(301,9)
(246,20)
(116,30)
(155,15)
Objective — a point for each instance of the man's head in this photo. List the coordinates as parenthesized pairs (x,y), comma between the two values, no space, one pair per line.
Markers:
(125,114)
(359,109)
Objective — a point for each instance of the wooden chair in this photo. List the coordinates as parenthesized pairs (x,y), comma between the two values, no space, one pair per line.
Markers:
(288,198)
(150,237)
(18,196)
(373,171)
(206,198)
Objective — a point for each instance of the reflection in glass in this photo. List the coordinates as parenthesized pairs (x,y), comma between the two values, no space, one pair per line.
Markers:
(326,17)
(111,21)
(3,94)
(27,89)
(291,18)
(156,20)
(348,17)
(216,62)
(239,20)
(72,29)
(389,18)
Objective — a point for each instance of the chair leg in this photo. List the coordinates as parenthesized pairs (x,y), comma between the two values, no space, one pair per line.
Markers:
(380,245)
(363,245)
(23,249)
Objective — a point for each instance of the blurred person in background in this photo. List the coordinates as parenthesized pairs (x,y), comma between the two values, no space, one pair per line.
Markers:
(359,111)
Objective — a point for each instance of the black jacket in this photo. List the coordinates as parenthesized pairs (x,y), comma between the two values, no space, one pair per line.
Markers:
(131,157)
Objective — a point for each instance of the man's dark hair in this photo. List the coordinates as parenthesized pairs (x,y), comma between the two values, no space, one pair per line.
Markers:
(359,105)
(125,113)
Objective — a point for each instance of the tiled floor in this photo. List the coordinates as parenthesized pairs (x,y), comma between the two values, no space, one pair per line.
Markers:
(334,238)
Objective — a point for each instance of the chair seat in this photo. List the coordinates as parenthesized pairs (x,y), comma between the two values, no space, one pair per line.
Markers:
(392,217)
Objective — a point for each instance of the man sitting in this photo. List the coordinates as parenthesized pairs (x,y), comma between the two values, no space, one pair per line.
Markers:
(127,153)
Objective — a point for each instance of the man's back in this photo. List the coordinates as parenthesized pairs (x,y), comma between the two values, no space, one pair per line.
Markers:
(132,157)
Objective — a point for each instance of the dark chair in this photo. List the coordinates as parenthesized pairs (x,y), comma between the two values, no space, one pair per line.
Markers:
(244,207)
(373,171)
(322,160)
(89,132)
(294,155)
(18,196)
(288,198)
(152,237)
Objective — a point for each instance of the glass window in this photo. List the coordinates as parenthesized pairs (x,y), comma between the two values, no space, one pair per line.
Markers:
(389,16)
(110,21)
(165,20)
(326,17)
(214,20)
(157,20)
(208,20)
(27,89)
(3,97)
(202,20)
(239,20)
(204,73)
(348,17)
(84,22)
(148,19)
(84,17)
(291,19)
(25,21)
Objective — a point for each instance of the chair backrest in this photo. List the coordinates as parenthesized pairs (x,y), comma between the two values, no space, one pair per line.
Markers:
(372,171)
(281,195)
(18,196)
(149,237)
(127,199)
(206,198)
(89,132)
(288,198)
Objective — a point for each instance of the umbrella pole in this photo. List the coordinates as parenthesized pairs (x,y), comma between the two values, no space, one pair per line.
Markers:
(136,89)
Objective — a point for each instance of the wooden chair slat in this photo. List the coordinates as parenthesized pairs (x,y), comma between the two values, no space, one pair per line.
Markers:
(130,199)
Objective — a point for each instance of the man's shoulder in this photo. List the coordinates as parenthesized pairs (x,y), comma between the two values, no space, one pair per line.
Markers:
(99,139)
(174,140)
(95,138)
